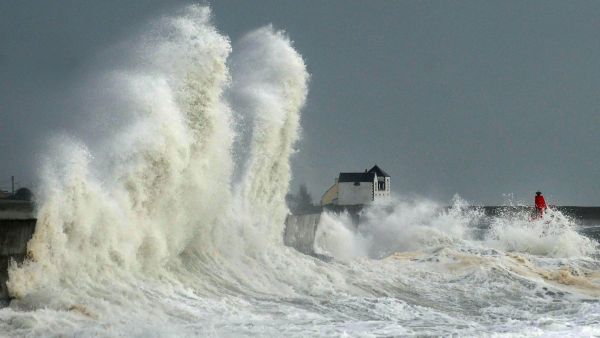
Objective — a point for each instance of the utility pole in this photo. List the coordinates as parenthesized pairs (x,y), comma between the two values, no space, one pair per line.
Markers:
(12,179)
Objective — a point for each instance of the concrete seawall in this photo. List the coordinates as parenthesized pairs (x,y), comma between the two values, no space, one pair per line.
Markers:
(300,232)
(16,228)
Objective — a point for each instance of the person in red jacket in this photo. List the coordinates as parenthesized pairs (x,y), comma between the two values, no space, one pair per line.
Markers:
(540,204)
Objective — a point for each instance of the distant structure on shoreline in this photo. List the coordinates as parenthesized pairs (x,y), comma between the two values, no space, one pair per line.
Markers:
(358,188)
(5,194)
(21,194)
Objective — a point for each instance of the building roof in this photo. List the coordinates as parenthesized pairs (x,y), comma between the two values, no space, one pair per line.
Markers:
(357,177)
(378,171)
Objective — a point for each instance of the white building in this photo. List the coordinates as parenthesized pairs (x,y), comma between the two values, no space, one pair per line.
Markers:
(358,188)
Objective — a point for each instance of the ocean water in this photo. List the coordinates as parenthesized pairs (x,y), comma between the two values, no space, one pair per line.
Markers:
(169,221)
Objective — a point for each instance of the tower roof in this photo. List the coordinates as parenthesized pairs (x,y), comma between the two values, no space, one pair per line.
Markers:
(378,171)
(357,177)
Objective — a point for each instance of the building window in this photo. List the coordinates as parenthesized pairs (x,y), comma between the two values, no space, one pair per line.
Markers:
(381,185)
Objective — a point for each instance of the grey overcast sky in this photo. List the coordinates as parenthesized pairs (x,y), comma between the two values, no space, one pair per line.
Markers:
(479,98)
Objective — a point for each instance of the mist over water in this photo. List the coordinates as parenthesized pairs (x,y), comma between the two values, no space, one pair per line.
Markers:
(171,224)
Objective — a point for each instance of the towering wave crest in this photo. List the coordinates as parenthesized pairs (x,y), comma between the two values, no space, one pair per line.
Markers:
(270,81)
(160,188)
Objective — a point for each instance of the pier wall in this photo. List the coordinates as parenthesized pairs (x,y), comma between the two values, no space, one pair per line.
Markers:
(16,228)
(300,232)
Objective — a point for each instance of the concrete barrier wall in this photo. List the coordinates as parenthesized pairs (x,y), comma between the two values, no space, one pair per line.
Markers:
(10,209)
(300,232)
(17,225)
(14,235)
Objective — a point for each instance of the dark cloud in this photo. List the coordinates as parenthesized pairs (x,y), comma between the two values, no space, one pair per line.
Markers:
(47,49)
(476,98)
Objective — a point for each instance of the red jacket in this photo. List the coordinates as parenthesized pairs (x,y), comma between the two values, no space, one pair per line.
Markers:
(540,203)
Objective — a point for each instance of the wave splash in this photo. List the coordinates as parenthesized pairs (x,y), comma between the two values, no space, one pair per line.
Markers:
(160,187)
(416,224)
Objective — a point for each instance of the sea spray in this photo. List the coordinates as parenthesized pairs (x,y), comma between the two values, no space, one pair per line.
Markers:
(396,225)
(269,87)
(404,224)
(554,235)
(160,186)
(169,169)
(270,80)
